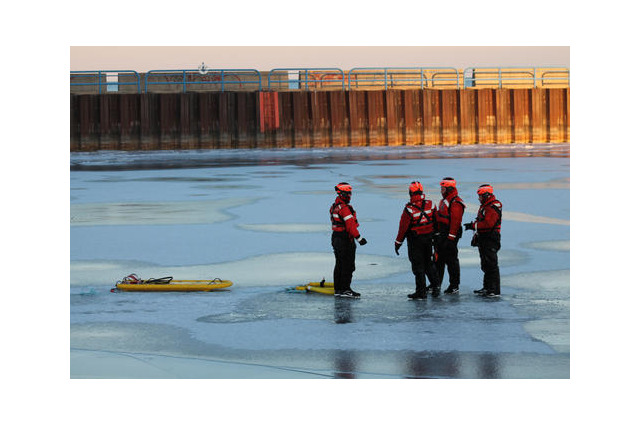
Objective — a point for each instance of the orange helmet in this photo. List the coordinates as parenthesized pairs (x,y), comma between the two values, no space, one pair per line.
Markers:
(485,189)
(448,182)
(415,187)
(343,188)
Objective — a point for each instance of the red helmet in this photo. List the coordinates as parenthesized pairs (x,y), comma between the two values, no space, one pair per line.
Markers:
(416,188)
(343,189)
(448,182)
(485,189)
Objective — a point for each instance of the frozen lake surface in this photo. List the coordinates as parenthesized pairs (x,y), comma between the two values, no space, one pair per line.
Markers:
(260,219)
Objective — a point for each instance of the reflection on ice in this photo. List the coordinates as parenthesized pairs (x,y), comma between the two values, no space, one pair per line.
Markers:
(342,310)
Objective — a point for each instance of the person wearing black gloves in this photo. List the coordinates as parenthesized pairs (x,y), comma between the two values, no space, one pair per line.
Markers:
(416,224)
(448,232)
(344,225)
(487,228)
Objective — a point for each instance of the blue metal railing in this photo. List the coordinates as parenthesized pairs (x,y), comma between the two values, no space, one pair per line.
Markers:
(317,77)
(515,76)
(327,78)
(185,78)
(404,77)
(556,80)
(99,75)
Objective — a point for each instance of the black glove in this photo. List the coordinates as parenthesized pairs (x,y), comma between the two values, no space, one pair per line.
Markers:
(448,245)
(362,241)
(398,245)
(468,226)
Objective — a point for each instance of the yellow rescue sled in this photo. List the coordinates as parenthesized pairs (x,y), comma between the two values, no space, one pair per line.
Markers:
(321,287)
(134,283)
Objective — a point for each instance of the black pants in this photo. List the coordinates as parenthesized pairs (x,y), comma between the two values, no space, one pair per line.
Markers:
(344,249)
(488,247)
(422,265)
(448,256)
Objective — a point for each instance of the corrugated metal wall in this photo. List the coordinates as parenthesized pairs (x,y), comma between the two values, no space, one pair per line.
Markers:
(218,120)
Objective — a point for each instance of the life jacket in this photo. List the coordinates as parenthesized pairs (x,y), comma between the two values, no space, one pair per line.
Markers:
(338,222)
(444,215)
(444,210)
(422,217)
(497,207)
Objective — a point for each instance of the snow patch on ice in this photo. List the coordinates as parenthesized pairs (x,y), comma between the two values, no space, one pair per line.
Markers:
(280,269)
(110,365)
(549,302)
(160,213)
(285,227)
(546,280)
(469,257)
(551,184)
(561,245)
(266,270)
(524,217)
(554,332)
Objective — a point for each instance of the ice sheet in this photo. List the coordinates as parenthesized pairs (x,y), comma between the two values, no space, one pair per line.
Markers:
(260,219)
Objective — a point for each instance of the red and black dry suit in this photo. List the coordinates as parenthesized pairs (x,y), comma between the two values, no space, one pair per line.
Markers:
(487,226)
(449,231)
(344,225)
(417,225)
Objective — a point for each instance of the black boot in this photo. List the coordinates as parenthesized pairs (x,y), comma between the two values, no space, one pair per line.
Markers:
(418,295)
(452,290)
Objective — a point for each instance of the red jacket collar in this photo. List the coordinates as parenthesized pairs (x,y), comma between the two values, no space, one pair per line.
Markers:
(339,200)
(489,200)
(451,194)
(415,199)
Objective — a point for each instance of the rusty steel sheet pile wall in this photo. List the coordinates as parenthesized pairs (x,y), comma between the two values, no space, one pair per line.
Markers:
(318,119)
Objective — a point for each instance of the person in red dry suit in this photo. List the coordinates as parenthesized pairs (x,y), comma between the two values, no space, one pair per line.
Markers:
(417,225)
(344,225)
(487,228)
(448,232)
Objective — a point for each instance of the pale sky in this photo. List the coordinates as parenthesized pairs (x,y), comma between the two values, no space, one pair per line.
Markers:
(265,58)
